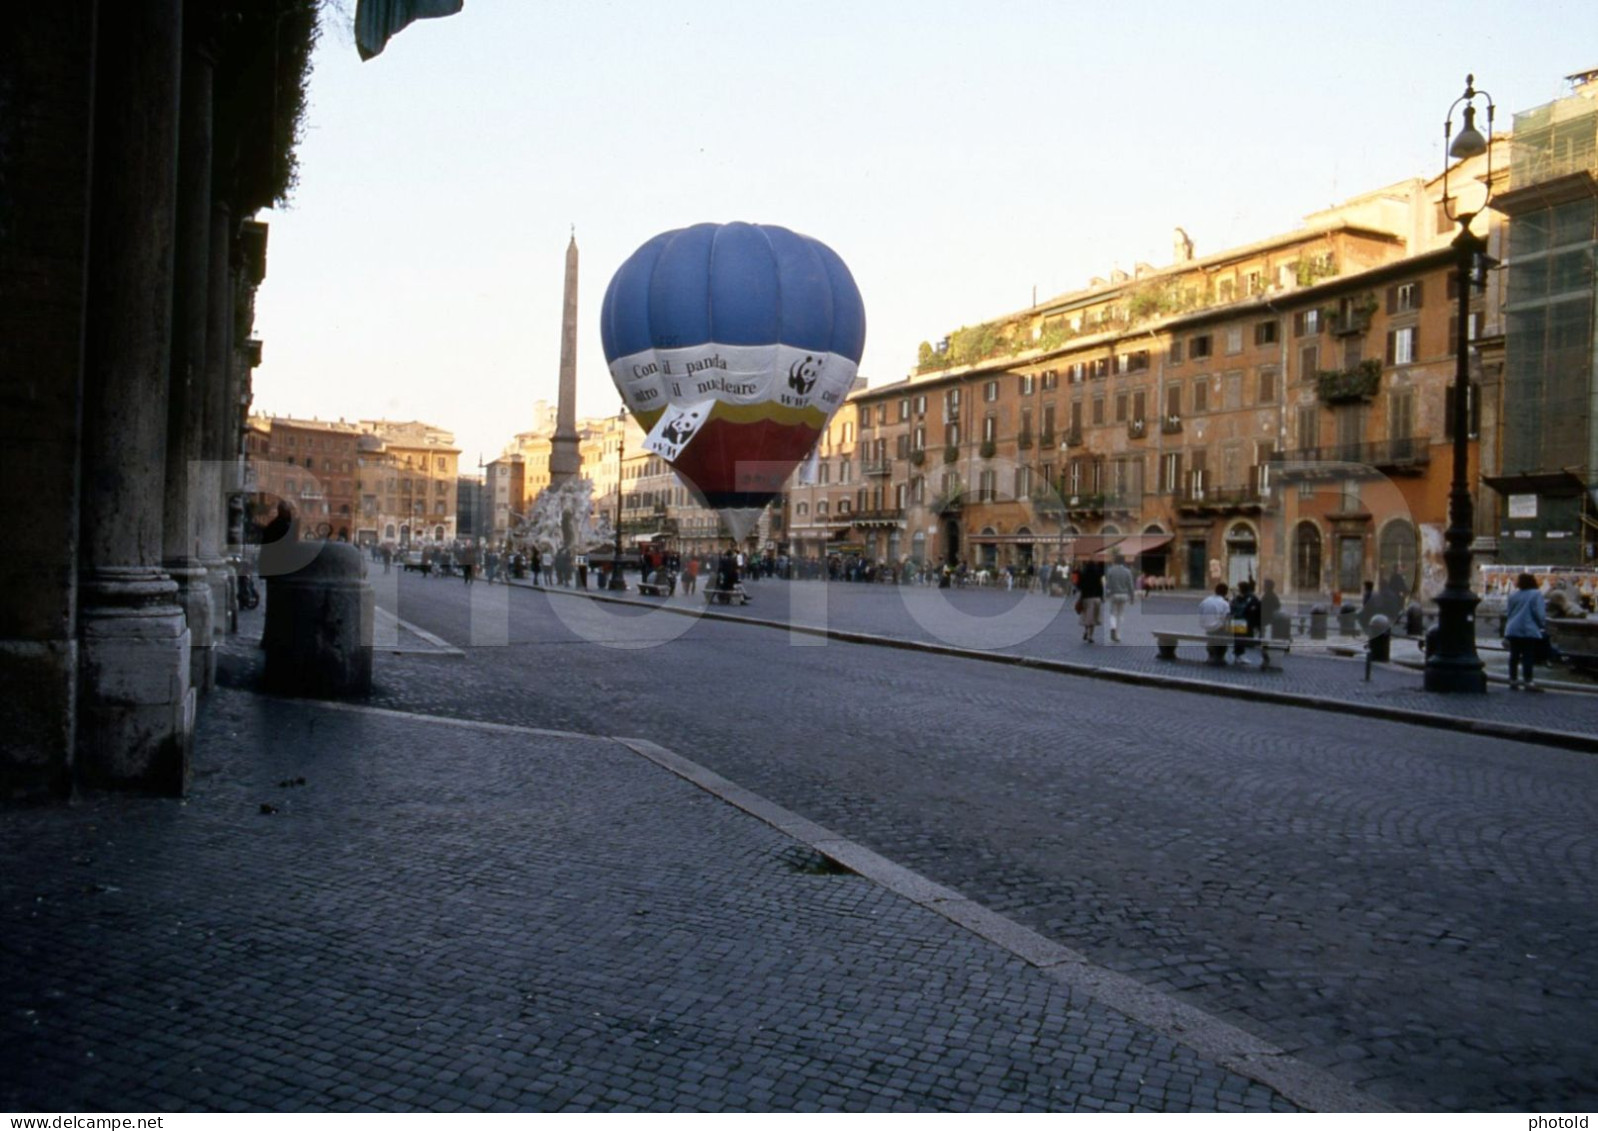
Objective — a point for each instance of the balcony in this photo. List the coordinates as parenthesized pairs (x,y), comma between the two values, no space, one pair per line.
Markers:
(1196,499)
(1136,429)
(884,516)
(1345,386)
(876,467)
(1073,438)
(1171,424)
(1408,456)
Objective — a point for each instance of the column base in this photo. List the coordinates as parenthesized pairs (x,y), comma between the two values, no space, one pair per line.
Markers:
(196,596)
(135,701)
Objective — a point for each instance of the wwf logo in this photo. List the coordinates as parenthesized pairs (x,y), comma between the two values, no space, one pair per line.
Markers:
(802,375)
(678,432)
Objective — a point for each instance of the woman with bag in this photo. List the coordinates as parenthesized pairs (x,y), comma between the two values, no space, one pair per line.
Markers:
(1525,628)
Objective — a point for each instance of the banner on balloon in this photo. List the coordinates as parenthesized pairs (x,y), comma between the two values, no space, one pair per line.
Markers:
(675,428)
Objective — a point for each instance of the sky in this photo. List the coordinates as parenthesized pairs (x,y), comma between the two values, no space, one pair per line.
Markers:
(961,157)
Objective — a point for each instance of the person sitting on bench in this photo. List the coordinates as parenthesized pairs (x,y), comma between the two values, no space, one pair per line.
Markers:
(1215,618)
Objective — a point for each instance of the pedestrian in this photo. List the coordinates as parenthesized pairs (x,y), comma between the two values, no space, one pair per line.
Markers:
(690,575)
(1215,619)
(1246,613)
(1119,589)
(1525,628)
(1271,609)
(1090,597)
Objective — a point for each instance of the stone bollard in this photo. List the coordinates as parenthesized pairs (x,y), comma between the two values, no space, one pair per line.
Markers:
(319,620)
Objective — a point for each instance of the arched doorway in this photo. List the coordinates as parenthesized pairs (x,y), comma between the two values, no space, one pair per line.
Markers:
(1307,558)
(951,541)
(1242,553)
(987,551)
(918,547)
(1397,552)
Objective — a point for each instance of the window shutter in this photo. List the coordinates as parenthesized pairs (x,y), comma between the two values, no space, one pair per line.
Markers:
(1392,300)
(1418,293)
(1392,344)
(1298,324)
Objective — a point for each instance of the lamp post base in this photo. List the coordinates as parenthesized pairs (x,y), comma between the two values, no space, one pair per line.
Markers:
(1454,667)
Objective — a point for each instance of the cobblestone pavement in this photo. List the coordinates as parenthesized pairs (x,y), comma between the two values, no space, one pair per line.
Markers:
(360,910)
(1408,908)
(1019,624)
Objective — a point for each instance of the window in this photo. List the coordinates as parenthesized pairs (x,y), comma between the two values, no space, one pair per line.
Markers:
(1122,405)
(1174,354)
(1400,414)
(1170,471)
(1139,405)
(882,413)
(1029,384)
(951,403)
(904,408)
(951,434)
(1401,346)
(1307,322)
(848,432)
(821,507)
(1200,346)
(1309,426)
(921,405)
(1173,400)
(1309,362)
(1254,282)
(1026,422)
(1098,410)
(1201,395)
(1267,390)
(1234,339)
(1023,482)
(1405,296)
(987,486)
(1051,379)
(919,441)
(990,391)
(1265,333)
(990,428)
(1048,423)
(902,445)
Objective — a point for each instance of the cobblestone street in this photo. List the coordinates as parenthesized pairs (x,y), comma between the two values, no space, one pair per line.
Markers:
(517,911)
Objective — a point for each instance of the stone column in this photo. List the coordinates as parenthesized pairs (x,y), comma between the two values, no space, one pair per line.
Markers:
(189,475)
(47,86)
(220,435)
(136,706)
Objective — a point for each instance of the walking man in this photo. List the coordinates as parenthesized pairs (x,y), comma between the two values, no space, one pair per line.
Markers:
(1118,590)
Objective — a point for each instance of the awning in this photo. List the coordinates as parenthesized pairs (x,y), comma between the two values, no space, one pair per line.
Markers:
(1553,484)
(1102,546)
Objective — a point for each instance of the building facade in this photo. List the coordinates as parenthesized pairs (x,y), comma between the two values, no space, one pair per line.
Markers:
(1277,410)
(1548,481)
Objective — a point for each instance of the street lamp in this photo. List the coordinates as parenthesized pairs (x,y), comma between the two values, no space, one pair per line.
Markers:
(616,579)
(1452,664)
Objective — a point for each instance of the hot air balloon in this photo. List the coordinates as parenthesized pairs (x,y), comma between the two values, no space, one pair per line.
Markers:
(732,345)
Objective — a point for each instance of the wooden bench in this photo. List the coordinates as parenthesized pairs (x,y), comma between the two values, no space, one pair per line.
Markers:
(1219,644)
(658,584)
(737,595)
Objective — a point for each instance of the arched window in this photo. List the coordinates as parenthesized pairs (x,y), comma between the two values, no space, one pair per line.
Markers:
(1398,552)
(1307,558)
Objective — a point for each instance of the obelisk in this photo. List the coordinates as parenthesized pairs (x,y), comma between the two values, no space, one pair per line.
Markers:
(564,459)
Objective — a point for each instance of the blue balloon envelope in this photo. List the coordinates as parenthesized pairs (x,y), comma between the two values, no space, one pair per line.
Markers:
(732,345)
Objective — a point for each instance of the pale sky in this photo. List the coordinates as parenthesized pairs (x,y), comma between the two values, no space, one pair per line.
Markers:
(956,155)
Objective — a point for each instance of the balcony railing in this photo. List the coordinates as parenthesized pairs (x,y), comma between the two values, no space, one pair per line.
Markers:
(879,516)
(1195,498)
(1137,429)
(877,467)
(1073,438)
(1412,453)
(1171,424)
